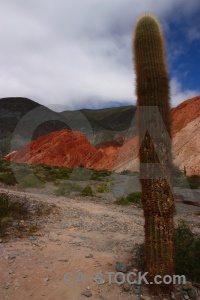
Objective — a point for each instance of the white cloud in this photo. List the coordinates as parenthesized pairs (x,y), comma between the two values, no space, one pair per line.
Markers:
(71,52)
(179,94)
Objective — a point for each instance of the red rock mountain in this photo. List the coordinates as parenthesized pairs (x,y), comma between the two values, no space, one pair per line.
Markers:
(72,149)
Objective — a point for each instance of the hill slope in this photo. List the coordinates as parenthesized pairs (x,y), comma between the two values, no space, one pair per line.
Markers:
(72,149)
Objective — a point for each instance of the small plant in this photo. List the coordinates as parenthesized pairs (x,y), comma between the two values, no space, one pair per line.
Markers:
(187,260)
(135,197)
(122,201)
(125,172)
(10,210)
(62,191)
(8,178)
(87,191)
(100,175)
(32,181)
(101,189)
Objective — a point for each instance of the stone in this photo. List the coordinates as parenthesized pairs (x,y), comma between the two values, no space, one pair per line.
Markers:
(173,296)
(89,255)
(87,294)
(137,290)
(126,286)
(7,285)
(17,284)
(122,267)
(193,293)
(187,286)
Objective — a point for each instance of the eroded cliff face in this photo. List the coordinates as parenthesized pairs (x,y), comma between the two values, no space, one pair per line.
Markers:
(72,149)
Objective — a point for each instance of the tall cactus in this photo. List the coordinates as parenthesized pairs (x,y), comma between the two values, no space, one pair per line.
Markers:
(153,94)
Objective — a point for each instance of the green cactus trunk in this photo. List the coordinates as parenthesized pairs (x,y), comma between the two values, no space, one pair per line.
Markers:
(157,197)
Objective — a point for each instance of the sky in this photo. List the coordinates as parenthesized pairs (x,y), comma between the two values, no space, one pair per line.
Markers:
(78,53)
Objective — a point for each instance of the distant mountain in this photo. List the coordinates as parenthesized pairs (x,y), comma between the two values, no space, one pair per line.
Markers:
(72,149)
(23,115)
(27,114)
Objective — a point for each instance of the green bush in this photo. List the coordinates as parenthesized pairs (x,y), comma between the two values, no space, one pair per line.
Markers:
(87,191)
(9,209)
(66,188)
(100,175)
(194,181)
(62,191)
(32,181)
(125,172)
(187,260)
(101,189)
(176,171)
(135,197)
(80,174)
(8,178)
(122,201)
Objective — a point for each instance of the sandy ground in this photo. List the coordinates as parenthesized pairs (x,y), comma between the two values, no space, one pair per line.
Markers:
(34,267)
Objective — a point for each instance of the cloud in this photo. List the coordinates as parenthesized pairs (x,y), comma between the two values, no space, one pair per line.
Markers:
(74,53)
(179,94)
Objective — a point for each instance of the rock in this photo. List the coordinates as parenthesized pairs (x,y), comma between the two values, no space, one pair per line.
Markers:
(187,286)
(137,290)
(46,279)
(186,297)
(122,267)
(89,255)
(88,288)
(11,257)
(126,286)
(173,296)
(193,293)
(183,293)
(7,285)
(1,241)
(17,284)
(63,260)
(87,294)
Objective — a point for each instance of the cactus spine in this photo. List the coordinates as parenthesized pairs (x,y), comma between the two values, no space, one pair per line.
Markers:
(152,88)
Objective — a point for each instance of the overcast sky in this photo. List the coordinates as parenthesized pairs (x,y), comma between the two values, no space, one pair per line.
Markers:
(78,53)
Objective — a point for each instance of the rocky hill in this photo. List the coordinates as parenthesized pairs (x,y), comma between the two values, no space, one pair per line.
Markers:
(33,120)
(101,125)
(73,149)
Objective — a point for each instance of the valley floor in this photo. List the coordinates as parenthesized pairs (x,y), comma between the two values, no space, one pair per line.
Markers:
(80,234)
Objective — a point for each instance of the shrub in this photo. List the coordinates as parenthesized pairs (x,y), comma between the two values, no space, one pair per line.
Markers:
(81,174)
(135,197)
(194,181)
(100,175)
(122,201)
(176,171)
(8,178)
(125,172)
(32,181)
(10,209)
(101,189)
(62,191)
(87,191)
(187,260)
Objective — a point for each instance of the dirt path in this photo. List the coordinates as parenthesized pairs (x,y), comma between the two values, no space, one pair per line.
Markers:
(34,267)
